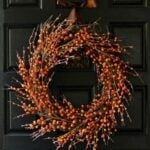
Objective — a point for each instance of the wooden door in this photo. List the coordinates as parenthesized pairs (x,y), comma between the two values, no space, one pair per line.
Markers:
(128,19)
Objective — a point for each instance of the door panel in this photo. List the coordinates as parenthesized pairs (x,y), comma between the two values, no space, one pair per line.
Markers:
(16,39)
(133,34)
(19,3)
(129,2)
(128,19)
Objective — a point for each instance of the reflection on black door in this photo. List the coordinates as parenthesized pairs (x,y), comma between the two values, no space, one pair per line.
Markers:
(128,19)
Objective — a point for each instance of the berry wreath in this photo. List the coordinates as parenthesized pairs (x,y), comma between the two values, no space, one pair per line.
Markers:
(57,44)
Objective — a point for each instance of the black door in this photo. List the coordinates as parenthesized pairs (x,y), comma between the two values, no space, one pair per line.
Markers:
(128,19)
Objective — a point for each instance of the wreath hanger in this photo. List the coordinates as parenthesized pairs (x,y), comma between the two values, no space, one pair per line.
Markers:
(84,4)
(74,14)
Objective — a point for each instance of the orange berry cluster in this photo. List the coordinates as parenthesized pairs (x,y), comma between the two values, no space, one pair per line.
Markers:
(57,44)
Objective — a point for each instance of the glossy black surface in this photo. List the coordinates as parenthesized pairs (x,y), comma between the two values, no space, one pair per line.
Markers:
(128,19)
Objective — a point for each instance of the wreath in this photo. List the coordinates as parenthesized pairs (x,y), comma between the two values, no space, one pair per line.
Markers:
(57,43)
